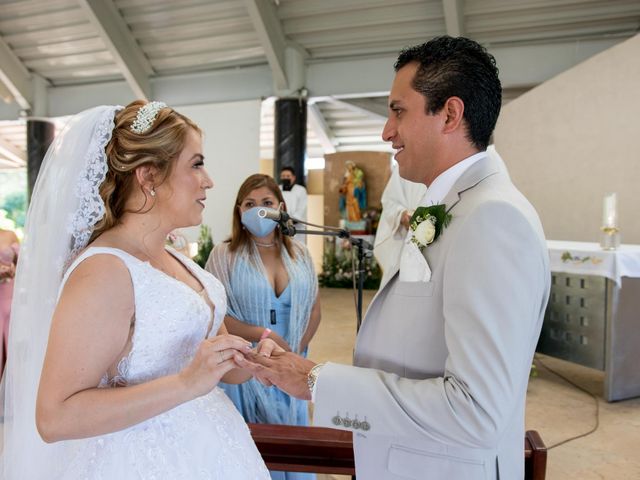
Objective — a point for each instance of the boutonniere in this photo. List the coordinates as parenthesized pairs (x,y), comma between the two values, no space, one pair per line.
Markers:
(427,224)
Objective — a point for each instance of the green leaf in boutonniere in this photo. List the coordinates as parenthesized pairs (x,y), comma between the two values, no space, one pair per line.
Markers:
(427,223)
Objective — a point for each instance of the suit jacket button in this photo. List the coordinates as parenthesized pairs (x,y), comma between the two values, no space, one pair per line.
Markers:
(337,420)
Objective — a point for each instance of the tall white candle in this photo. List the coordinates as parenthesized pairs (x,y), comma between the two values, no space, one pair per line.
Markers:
(610,214)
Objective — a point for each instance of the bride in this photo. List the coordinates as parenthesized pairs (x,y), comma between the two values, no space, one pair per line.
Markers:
(136,346)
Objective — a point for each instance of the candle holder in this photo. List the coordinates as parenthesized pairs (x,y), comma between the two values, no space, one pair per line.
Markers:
(610,239)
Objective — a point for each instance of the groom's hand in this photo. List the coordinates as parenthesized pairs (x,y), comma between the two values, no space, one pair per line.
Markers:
(286,370)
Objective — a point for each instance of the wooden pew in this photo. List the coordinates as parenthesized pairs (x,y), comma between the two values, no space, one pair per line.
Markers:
(327,450)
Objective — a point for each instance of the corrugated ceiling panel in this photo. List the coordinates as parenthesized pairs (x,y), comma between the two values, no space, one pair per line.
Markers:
(56,40)
(289,9)
(193,34)
(504,21)
(72,34)
(337,29)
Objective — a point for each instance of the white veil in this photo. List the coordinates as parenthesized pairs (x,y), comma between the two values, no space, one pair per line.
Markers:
(64,209)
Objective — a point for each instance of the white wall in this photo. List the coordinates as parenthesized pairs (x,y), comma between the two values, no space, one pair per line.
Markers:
(232,151)
(574,138)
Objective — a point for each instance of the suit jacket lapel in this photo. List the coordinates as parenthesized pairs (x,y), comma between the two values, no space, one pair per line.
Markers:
(483,168)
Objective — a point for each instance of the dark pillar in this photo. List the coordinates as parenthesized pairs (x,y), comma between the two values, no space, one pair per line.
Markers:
(290,136)
(40,134)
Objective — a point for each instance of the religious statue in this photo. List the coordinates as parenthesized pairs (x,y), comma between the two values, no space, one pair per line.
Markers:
(353,196)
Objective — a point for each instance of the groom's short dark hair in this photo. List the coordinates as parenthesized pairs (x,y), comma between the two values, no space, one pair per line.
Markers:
(458,67)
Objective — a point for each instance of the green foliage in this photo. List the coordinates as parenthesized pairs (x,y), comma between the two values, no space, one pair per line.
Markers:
(439,212)
(205,245)
(338,269)
(15,204)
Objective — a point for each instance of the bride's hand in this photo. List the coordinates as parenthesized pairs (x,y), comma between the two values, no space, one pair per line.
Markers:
(214,358)
(281,342)
(7,272)
(267,346)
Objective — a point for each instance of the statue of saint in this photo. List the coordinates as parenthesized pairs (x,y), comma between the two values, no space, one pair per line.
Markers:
(353,193)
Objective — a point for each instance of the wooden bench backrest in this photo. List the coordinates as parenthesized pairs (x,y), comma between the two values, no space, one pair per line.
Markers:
(327,450)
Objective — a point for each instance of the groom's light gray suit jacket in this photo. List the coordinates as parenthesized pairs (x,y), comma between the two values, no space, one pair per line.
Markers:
(441,367)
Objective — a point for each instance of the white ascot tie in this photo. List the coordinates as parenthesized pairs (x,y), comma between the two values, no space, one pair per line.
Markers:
(413,265)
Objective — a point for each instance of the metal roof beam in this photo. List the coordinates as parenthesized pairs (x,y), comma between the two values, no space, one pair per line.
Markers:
(12,154)
(5,94)
(321,129)
(454,17)
(368,106)
(116,35)
(15,77)
(520,67)
(269,30)
(6,164)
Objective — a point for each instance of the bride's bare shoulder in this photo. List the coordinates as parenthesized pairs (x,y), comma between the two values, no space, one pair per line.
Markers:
(101,271)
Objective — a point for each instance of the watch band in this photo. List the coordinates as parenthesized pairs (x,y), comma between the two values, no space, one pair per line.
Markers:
(312,377)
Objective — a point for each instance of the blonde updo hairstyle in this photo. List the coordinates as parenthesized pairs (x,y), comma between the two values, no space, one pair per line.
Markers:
(159,146)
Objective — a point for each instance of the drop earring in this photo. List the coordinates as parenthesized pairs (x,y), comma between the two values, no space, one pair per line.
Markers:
(152,192)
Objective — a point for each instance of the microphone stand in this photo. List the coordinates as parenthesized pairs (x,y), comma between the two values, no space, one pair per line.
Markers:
(364,250)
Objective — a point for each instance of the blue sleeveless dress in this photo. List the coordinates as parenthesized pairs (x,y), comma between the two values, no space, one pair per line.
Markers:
(279,319)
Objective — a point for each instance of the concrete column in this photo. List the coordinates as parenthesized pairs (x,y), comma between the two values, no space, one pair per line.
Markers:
(290,136)
(40,133)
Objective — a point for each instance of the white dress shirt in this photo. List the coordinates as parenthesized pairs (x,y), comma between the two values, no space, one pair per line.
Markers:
(296,201)
(413,265)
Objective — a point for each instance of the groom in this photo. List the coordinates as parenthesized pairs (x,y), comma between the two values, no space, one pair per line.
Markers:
(442,359)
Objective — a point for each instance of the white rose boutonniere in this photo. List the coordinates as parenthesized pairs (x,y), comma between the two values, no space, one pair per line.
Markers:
(425,232)
(427,224)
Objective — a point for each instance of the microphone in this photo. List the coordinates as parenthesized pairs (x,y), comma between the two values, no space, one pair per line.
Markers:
(273,214)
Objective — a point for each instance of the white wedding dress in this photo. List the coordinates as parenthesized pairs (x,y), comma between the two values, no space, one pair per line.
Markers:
(205,438)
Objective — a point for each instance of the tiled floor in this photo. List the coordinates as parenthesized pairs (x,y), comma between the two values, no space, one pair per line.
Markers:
(554,408)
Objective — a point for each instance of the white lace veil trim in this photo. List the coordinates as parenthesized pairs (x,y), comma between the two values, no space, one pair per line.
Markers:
(65,207)
(91,208)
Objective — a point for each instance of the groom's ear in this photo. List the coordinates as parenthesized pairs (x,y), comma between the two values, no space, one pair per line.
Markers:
(453,113)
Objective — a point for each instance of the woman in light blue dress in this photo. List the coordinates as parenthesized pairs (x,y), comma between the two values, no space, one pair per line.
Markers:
(272,292)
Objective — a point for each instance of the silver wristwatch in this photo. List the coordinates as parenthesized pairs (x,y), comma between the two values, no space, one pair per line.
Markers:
(313,376)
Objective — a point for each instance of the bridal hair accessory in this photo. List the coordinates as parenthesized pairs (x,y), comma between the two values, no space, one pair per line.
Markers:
(146,116)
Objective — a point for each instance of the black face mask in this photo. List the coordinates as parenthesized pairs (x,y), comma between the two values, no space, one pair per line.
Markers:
(286,184)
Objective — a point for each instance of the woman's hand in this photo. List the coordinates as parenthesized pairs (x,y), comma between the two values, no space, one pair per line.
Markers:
(7,272)
(215,357)
(282,343)
(267,346)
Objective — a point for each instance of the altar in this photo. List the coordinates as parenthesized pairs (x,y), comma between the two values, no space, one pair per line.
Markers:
(593,315)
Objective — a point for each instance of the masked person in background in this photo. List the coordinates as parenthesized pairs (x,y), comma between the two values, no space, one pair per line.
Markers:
(272,292)
(295,198)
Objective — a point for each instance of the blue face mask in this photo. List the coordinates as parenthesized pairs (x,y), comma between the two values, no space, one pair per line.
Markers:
(259,227)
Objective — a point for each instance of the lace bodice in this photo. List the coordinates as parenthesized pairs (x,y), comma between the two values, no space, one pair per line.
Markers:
(171,319)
